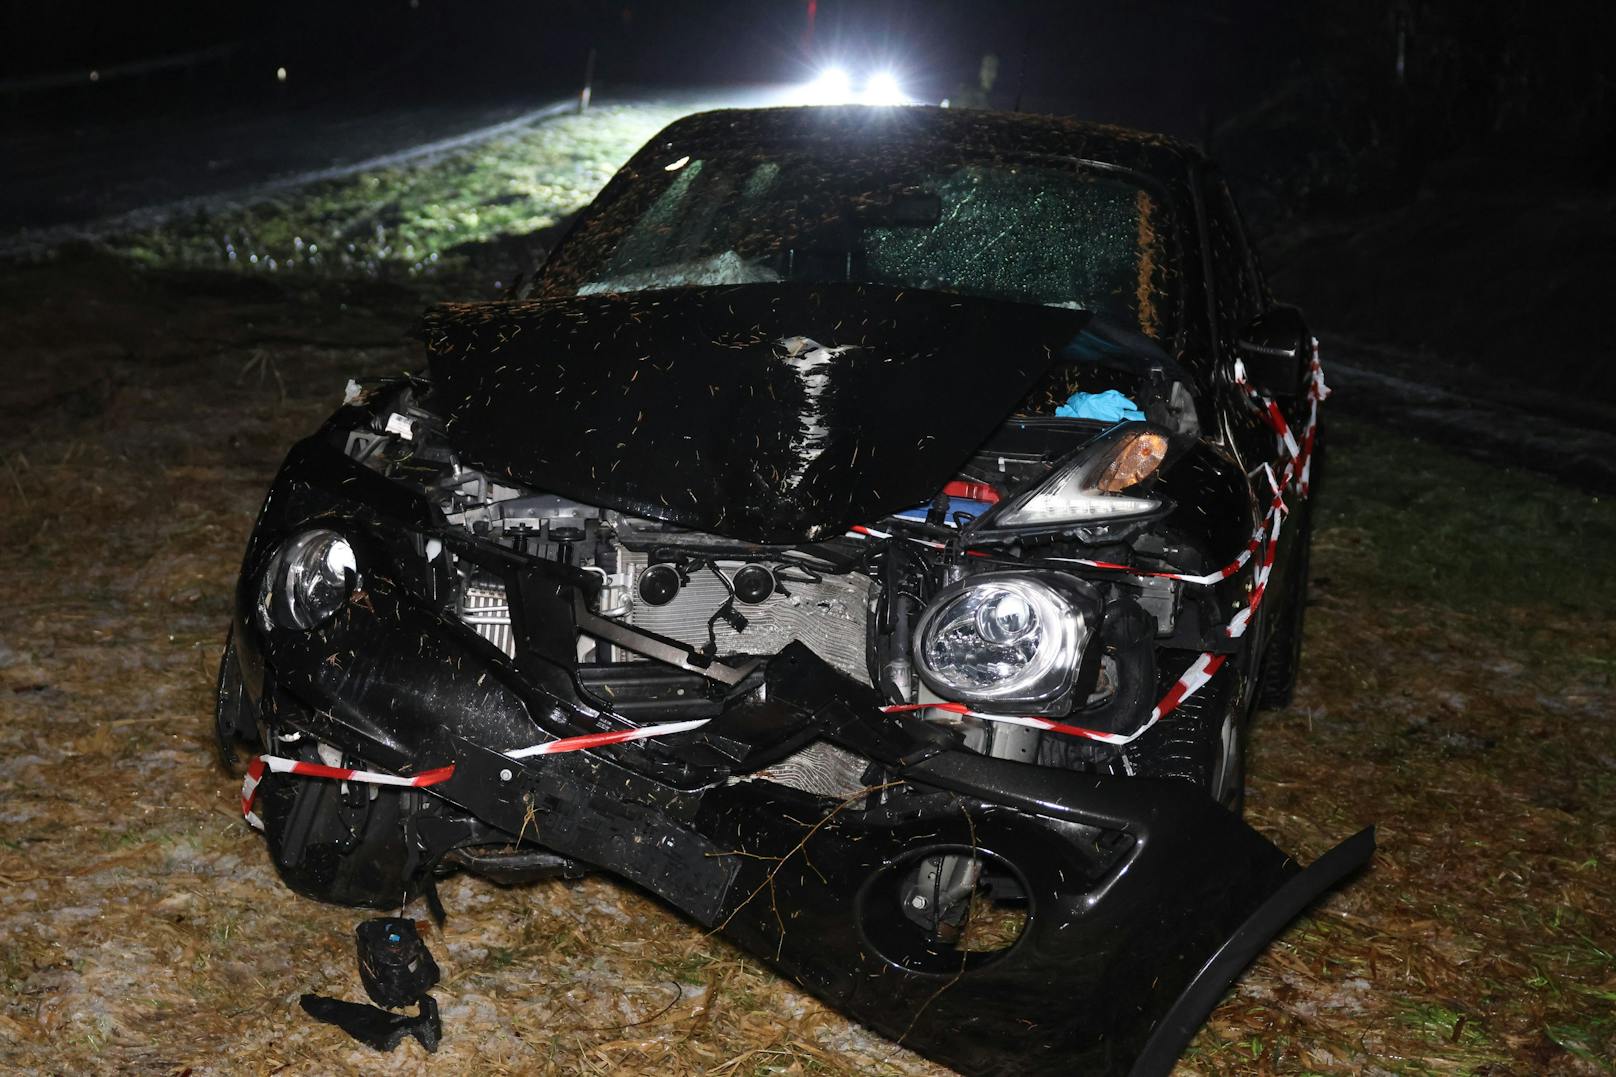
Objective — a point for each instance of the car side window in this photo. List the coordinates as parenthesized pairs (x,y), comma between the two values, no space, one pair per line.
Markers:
(1237,290)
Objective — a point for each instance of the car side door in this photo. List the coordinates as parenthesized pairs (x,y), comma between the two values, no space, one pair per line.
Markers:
(1238,294)
(1238,297)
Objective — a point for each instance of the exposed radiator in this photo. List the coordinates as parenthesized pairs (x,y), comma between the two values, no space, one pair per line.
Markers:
(828,615)
(820,768)
(483,606)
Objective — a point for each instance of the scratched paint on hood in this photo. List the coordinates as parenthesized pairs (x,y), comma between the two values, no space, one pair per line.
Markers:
(773,413)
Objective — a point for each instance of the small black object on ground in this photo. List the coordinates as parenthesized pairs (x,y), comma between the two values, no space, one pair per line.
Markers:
(397,971)
(394,963)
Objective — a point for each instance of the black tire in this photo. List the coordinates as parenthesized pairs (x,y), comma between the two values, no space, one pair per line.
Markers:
(1203,742)
(1276,684)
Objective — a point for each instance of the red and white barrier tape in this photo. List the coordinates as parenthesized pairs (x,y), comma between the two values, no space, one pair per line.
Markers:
(1317,390)
(601,740)
(1298,467)
(1297,464)
(1199,673)
(1207,580)
(1049,725)
(279,765)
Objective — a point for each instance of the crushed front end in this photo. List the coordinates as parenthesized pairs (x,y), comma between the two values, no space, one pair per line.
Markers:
(998,898)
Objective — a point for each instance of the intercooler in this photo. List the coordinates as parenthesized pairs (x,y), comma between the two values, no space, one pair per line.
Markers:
(827,614)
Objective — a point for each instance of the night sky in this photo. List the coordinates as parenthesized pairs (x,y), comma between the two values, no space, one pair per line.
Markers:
(1471,72)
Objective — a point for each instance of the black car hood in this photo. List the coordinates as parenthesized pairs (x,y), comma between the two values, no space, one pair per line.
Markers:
(771,413)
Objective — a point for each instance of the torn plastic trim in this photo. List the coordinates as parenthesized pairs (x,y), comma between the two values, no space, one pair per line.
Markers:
(1174,1032)
(377,1028)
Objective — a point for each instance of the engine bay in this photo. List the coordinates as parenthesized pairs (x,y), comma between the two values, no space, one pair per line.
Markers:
(685,621)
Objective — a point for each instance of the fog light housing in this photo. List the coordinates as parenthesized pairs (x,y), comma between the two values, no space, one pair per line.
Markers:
(1012,641)
(309,580)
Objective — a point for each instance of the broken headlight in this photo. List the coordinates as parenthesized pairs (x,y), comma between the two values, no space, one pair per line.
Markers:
(309,579)
(1010,638)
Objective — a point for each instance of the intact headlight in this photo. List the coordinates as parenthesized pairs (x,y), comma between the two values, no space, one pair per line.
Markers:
(309,579)
(1007,638)
(1107,480)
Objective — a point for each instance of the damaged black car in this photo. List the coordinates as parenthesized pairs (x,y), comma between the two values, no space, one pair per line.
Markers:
(873,537)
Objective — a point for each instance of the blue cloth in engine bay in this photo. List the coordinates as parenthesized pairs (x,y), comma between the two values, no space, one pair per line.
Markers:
(1110,406)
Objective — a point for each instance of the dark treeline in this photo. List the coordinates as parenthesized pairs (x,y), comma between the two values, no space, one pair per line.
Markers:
(1333,100)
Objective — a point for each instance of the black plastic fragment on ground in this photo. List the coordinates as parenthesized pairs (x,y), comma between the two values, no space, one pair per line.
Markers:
(376,1027)
(397,970)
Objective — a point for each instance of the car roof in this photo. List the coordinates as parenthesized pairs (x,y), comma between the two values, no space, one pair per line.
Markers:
(976,131)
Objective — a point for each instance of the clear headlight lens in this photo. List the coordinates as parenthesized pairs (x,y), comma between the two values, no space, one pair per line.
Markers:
(1002,637)
(309,579)
(1005,618)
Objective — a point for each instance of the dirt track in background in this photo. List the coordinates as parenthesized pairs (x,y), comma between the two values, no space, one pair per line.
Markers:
(1457,689)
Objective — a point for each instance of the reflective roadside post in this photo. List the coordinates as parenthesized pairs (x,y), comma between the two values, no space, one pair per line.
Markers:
(589,78)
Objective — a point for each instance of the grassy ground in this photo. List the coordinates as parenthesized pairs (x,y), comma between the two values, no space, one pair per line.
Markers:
(1457,685)
(425,219)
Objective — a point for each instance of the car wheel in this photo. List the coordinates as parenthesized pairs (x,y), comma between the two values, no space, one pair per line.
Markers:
(1203,742)
(1276,685)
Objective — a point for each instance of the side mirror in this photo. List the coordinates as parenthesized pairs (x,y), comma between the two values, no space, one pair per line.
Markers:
(1276,348)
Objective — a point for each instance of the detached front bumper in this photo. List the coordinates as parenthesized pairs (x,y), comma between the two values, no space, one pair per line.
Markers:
(1143,900)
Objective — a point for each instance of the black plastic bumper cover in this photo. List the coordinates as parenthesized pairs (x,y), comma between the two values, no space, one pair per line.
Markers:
(1144,900)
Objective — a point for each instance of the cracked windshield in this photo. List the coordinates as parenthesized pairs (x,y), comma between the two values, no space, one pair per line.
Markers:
(1052,233)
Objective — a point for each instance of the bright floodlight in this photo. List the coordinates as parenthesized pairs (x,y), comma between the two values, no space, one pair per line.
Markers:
(832,86)
(883,89)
